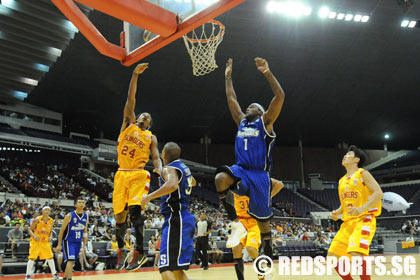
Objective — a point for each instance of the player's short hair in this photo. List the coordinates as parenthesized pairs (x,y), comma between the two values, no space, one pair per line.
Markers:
(359,153)
(172,151)
(77,199)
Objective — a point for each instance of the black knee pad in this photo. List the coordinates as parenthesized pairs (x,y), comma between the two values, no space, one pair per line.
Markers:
(120,230)
(137,220)
(135,216)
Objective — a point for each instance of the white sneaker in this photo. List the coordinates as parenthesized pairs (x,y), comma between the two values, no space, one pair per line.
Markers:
(56,277)
(238,232)
(266,277)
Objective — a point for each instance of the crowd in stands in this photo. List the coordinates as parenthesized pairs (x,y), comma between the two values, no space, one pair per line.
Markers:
(51,181)
(411,227)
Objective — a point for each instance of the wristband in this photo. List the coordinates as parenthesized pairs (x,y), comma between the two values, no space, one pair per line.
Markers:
(85,235)
(265,71)
(229,78)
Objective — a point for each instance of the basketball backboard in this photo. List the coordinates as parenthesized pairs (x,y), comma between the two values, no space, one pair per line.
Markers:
(170,19)
(135,36)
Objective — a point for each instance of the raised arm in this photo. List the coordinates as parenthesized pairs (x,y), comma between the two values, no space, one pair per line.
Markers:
(276,103)
(157,163)
(129,116)
(234,107)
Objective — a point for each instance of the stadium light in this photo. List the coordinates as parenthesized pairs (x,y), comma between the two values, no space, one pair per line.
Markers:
(28,81)
(307,11)
(405,23)
(357,18)
(323,12)
(271,6)
(332,15)
(340,16)
(349,17)
(386,136)
(365,18)
(412,24)
(290,8)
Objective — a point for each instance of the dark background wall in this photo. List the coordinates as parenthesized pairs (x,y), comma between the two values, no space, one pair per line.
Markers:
(286,160)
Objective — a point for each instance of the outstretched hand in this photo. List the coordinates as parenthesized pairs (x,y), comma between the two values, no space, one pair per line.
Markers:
(228,71)
(262,64)
(141,68)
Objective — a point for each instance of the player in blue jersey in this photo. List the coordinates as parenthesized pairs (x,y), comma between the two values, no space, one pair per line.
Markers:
(73,231)
(250,175)
(178,230)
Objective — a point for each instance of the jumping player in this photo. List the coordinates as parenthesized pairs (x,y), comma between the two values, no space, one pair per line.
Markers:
(252,241)
(40,231)
(135,144)
(178,230)
(73,231)
(250,175)
(360,198)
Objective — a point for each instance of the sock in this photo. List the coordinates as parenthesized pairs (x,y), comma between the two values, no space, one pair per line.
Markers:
(239,268)
(344,277)
(364,276)
(120,232)
(29,267)
(230,209)
(51,264)
(266,240)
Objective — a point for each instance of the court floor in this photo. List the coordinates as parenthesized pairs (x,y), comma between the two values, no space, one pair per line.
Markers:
(216,272)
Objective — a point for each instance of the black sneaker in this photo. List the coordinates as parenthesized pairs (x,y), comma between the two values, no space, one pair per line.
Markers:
(206,268)
(120,265)
(137,262)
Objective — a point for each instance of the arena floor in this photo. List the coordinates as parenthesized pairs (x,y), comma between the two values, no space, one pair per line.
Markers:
(222,272)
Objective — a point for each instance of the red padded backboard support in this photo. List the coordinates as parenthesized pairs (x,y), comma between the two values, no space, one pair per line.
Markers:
(140,13)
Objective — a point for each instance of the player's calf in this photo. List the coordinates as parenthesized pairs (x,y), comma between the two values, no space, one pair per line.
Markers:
(138,222)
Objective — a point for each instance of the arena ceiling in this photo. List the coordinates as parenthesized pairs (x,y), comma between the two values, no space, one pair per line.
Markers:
(344,81)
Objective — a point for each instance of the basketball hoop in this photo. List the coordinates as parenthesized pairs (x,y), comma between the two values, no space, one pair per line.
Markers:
(202,48)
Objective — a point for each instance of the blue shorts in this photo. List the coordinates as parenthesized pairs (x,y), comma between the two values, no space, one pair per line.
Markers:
(177,245)
(256,184)
(71,250)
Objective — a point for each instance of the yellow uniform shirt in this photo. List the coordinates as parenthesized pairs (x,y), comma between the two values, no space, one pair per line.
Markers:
(134,147)
(354,193)
(43,230)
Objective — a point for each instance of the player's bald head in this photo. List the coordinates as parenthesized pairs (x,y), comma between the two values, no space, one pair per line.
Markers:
(172,151)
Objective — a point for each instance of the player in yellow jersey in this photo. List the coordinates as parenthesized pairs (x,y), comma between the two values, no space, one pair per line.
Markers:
(360,198)
(252,241)
(135,145)
(40,231)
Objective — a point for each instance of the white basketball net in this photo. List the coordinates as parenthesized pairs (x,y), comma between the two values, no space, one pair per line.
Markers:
(202,48)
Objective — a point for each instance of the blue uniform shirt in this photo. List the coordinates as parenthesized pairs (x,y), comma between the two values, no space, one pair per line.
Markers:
(179,199)
(253,145)
(76,227)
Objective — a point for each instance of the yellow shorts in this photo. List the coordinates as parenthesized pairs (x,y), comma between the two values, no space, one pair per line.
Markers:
(355,235)
(129,188)
(41,250)
(253,238)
